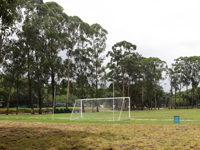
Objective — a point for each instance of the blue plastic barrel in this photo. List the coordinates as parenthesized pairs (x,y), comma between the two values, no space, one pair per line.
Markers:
(176,120)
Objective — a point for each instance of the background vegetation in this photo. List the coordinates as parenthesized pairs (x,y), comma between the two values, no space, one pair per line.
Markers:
(32,36)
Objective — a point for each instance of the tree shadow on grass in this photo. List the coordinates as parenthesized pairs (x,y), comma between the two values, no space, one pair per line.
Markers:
(48,138)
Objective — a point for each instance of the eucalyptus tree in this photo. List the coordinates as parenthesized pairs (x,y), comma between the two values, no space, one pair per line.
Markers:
(194,62)
(72,36)
(35,42)
(186,74)
(170,73)
(144,74)
(102,85)
(132,71)
(158,67)
(132,68)
(117,64)
(27,36)
(150,92)
(83,57)
(14,69)
(174,80)
(98,45)
(179,65)
(40,34)
(19,64)
(53,21)
(10,16)
(117,72)
(40,70)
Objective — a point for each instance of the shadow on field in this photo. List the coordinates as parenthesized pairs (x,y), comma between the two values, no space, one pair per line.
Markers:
(48,138)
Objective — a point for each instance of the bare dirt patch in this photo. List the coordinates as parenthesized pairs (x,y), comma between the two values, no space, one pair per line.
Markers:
(19,135)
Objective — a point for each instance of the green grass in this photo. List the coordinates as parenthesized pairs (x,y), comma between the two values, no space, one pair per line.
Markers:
(145,130)
(190,116)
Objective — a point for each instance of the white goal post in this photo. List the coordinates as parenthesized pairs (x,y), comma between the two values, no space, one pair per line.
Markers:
(101,109)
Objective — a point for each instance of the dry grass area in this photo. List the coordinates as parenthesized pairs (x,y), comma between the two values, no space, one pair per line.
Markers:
(59,136)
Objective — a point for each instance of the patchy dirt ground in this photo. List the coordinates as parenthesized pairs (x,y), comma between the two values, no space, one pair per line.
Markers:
(59,136)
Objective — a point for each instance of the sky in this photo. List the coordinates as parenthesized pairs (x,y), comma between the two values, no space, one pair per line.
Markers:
(166,29)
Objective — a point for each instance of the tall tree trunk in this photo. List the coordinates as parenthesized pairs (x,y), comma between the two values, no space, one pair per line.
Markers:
(159,100)
(39,93)
(17,97)
(132,104)
(96,76)
(53,89)
(40,98)
(196,97)
(138,97)
(1,42)
(68,79)
(171,97)
(155,96)
(142,97)
(40,101)
(129,88)
(8,102)
(149,103)
(187,96)
(67,91)
(179,98)
(192,97)
(151,99)
(97,87)
(123,93)
(175,100)
(29,81)
(48,100)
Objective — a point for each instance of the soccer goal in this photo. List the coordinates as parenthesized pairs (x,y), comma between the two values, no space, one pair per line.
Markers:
(100,109)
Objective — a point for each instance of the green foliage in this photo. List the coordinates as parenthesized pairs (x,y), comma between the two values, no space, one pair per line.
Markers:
(31,61)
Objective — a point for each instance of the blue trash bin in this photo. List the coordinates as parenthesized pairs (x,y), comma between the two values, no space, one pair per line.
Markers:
(176,120)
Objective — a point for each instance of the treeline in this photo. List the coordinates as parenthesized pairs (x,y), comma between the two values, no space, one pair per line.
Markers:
(185,72)
(33,34)
(183,99)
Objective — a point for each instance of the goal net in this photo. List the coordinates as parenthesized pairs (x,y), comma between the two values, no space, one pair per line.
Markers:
(108,109)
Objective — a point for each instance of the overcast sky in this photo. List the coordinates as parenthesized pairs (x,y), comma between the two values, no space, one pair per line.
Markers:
(166,29)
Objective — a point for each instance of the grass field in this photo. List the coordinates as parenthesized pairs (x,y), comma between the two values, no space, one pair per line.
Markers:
(145,130)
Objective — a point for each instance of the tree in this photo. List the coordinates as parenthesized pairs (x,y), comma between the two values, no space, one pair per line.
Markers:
(10,14)
(145,72)
(117,64)
(13,68)
(71,39)
(17,58)
(133,69)
(179,65)
(194,62)
(174,80)
(27,37)
(82,57)
(98,46)
(157,68)
(186,74)
(53,20)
